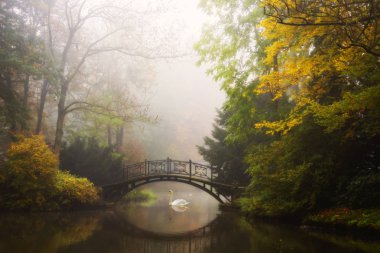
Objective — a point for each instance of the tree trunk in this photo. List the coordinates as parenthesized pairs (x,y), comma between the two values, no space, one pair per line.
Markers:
(59,132)
(275,68)
(26,91)
(11,104)
(61,117)
(119,139)
(109,136)
(44,91)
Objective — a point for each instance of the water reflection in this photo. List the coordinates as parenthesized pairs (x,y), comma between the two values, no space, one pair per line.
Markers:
(45,233)
(163,219)
(127,230)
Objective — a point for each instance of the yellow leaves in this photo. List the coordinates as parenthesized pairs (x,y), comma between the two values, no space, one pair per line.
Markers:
(72,189)
(35,150)
(294,118)
(280,126)
(304,64)
(352,108)
(34,181)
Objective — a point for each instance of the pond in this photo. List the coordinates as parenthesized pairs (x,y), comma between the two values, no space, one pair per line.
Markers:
(154,226)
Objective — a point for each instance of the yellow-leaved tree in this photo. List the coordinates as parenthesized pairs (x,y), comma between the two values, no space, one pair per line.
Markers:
(324,58)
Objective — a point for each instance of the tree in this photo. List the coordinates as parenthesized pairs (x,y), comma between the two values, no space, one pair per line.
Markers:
(111,106)
(21,55)
(227,159)
(302,95)
(73,41)
(354,23)
(85,157)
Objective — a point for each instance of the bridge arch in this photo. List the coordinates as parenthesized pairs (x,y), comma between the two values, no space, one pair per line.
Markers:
(195,174)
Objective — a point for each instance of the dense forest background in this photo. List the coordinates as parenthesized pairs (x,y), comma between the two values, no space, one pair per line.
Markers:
(302,114)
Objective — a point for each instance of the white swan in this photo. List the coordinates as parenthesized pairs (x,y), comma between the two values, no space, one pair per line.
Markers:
(177,202)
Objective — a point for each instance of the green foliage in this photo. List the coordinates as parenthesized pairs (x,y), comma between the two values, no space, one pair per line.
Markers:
(303,110)
(85,157)
(359,218)
(31,180)
(362,191)
(21,58)
(140,195)
(226,158)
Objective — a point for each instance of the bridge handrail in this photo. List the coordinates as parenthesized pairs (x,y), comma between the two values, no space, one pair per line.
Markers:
(169,166)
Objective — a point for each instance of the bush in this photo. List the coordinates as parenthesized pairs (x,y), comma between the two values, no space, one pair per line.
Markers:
(85,157)
(31,180)
(359,218)
(74,191)
(363,191)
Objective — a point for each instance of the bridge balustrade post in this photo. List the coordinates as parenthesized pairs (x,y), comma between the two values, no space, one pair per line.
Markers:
(168,166)
(190,167)
(145,167)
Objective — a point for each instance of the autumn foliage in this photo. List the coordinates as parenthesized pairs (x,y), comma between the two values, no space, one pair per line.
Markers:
(31,180)
(302,80)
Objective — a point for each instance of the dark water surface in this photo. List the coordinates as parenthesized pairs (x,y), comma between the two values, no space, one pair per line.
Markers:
(155,227)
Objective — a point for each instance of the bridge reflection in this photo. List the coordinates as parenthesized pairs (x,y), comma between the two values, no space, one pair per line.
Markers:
(205,239)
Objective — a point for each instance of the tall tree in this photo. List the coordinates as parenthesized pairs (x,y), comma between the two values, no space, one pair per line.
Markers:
(21,54)
(74,41)
(227,159)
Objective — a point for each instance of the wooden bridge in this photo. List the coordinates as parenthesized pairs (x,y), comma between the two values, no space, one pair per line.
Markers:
(199,175)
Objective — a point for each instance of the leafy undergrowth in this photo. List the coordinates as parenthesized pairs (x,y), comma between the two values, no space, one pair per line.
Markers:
(140,195)
(31,181)
(352,218)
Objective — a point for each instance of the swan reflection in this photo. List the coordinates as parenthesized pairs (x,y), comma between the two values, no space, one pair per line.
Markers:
(180,209)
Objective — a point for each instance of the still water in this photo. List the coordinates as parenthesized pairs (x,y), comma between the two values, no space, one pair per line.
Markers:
(154,227)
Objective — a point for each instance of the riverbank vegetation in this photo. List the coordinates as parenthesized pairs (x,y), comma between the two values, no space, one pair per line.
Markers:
(345,217)
(303,95)
(30,180)
(140,196)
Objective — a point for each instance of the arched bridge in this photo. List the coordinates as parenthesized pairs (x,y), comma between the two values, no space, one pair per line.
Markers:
(199,175)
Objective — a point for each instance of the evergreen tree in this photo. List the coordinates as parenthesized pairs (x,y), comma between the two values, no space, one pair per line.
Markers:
(226,158)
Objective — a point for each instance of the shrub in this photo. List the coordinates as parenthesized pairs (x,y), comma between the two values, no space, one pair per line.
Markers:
(85,157)
(363,191)
(31,180)
(75,192)
(358,218)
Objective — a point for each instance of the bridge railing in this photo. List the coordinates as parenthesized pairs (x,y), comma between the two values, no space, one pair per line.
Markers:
(169,166)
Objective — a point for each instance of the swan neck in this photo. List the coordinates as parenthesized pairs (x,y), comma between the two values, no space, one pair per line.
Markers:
(170,198)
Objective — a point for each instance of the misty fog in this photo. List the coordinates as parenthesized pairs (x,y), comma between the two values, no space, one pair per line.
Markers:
(183,97)
(185,100)
(125,73)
